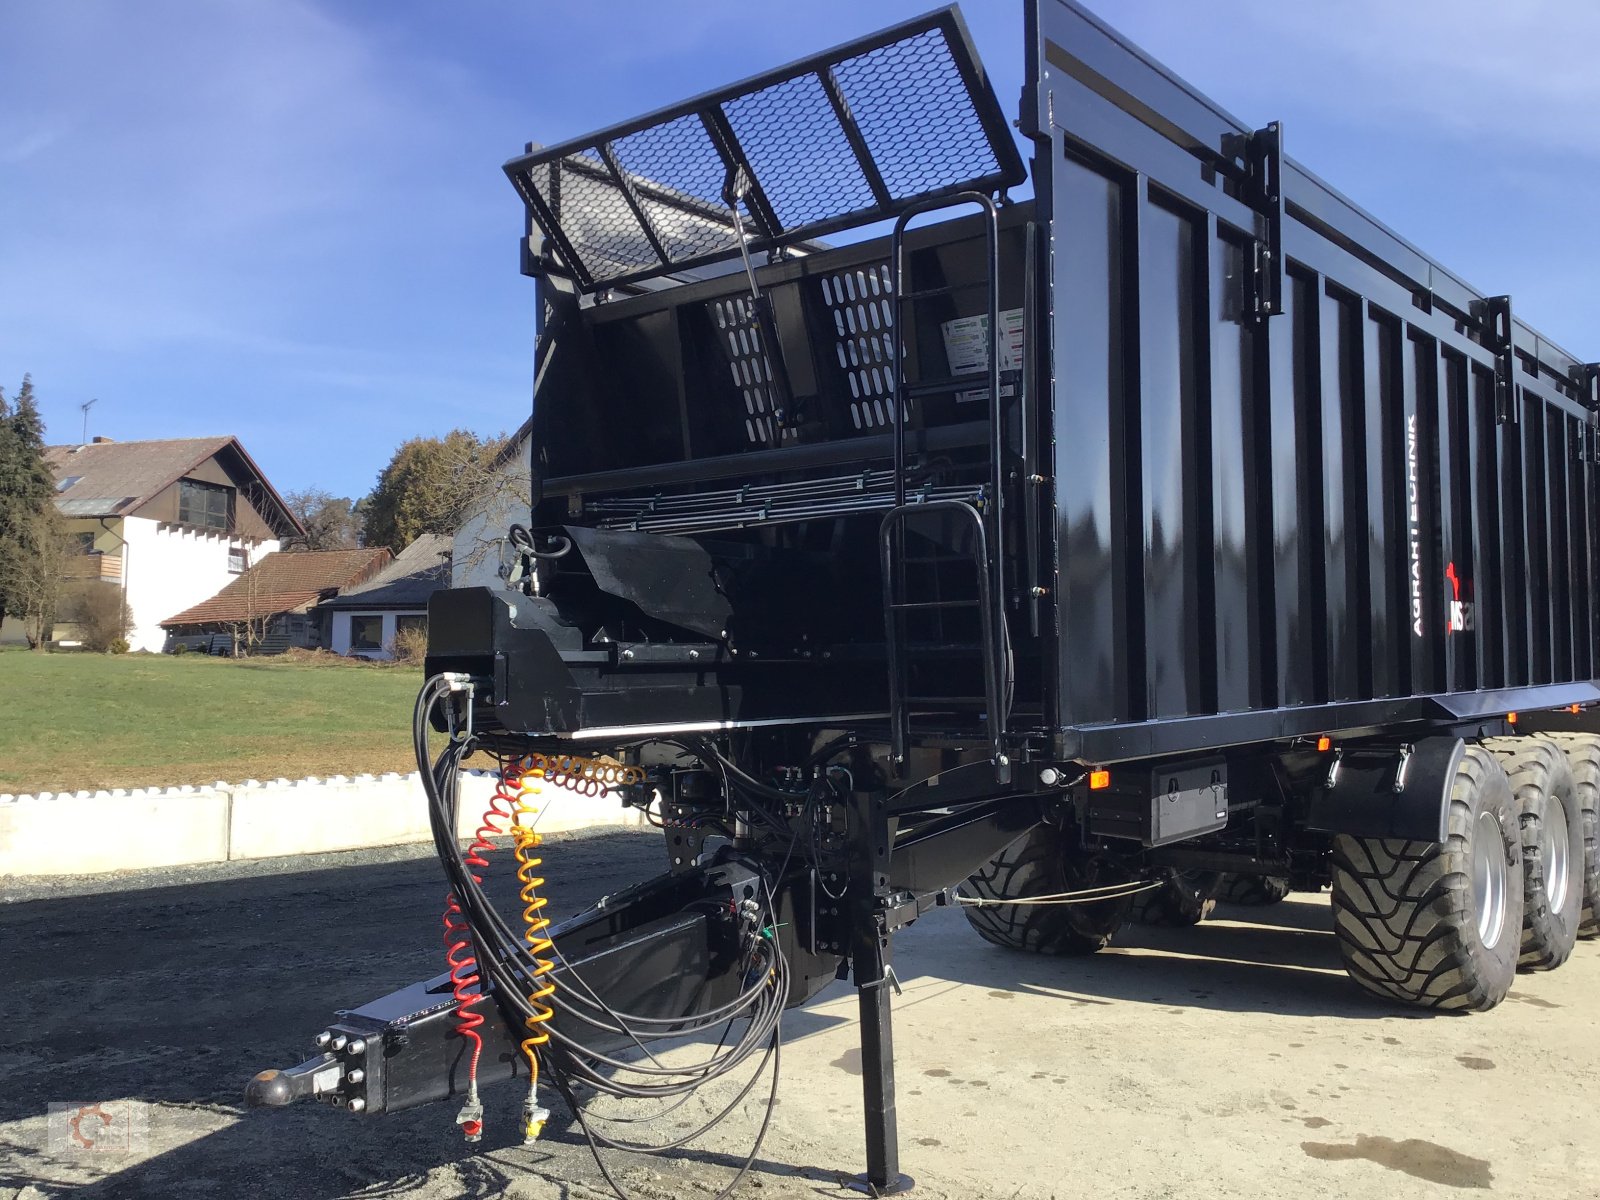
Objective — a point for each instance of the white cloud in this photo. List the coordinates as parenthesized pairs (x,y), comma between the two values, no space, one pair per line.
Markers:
(1515,73)
(168,186)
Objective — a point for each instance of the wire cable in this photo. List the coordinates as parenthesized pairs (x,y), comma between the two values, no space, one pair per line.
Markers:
(1086,896)
(509,963)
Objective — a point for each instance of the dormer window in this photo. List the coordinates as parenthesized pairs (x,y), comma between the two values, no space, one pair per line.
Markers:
(205,505)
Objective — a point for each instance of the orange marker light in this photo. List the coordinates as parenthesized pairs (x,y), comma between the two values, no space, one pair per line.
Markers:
(1324,743)
(1099,780)
(1511,718)
(1576,708)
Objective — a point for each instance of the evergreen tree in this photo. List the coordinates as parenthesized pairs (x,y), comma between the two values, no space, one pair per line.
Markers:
(34,481)
(6,454)
(29,528)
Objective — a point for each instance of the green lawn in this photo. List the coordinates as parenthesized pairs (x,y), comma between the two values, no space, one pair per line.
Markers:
(72,721)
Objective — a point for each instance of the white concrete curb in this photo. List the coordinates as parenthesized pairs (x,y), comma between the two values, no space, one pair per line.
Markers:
(81,833)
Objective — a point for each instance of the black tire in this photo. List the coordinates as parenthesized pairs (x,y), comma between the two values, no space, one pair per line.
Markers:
(1583,756)
(1043,863)
(1406,914)
(1547,803)
(1184,898)
(1256,891)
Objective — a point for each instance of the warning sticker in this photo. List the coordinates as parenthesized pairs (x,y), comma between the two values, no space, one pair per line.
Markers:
(966,342)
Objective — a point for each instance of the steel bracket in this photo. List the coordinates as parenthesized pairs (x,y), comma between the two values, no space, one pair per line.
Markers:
(1264,165)
(1495,314)
(1586,378)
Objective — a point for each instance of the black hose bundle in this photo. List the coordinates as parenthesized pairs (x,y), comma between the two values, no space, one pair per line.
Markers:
(507,967)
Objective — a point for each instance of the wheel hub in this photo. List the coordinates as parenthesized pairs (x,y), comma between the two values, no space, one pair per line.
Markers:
(1553,847)
(1489,879)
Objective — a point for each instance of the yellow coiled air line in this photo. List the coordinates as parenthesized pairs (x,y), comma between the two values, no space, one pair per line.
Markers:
(525,841)
(590,777)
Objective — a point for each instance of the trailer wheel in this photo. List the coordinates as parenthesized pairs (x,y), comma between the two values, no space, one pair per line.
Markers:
(1583,756)
(1184,898)
(1042,863)
(1435,924)
(1255,891)
(1552,848)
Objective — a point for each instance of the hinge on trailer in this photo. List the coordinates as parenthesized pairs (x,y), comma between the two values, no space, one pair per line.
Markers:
(1264,162)
(1495,314)
(1586,378)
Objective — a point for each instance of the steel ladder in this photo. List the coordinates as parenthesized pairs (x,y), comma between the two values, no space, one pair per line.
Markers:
(981,516)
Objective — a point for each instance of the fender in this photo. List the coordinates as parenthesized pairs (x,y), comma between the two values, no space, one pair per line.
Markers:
(1388,789)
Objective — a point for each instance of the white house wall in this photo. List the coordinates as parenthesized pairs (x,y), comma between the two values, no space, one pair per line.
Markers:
(169,569)
(478,546)
(340,631)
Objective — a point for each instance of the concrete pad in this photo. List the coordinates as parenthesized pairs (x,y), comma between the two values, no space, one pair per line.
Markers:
(1230,1061)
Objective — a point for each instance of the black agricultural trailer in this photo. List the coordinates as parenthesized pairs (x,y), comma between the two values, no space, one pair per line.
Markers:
(1177,528)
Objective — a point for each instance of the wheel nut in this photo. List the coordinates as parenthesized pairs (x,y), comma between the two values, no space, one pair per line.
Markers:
(355,1076)
(339,1041)
(356,1104)
(357,1046)
(322,1039)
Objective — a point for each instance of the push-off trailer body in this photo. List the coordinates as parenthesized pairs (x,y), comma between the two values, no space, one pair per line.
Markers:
(1178,522)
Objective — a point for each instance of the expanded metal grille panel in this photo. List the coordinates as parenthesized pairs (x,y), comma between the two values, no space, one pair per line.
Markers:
(798,150)
(917,151)
(599,220)
(850,136)
(682,151)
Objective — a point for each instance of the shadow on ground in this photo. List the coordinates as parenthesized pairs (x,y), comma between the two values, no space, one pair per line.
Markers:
(1279,959)
(175,995)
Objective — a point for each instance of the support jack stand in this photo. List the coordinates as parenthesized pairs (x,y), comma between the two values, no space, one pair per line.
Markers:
(871,838)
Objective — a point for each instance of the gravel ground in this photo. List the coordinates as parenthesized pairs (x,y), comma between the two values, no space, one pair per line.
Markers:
(1230,1060)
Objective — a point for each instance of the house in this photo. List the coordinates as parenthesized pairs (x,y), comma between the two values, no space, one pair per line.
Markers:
(272,606)
(167,522)
(480,555)
(365,619)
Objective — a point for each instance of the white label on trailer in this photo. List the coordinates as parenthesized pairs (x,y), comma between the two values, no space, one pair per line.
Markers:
(327,1079)
(966,342)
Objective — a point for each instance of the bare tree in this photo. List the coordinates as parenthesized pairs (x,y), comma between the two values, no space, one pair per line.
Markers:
(497,492)
(249,630)
(330,522)
(33,561)
(100,613)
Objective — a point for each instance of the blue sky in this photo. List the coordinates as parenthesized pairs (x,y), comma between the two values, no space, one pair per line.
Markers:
(285,219)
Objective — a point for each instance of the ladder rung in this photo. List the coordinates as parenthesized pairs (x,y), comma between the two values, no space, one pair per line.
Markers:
(954,383)
(963,701)
(929,293)
(934,604)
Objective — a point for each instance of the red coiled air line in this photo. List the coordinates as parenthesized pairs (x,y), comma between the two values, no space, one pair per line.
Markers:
(465,982)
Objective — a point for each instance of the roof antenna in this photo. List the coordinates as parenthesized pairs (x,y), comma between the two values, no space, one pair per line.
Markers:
(86,406)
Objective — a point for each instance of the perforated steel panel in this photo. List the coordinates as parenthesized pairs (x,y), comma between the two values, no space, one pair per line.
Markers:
(736,324)
(846,137)
(863,316)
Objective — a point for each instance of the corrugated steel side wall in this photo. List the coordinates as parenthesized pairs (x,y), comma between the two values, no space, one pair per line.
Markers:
(1279,513)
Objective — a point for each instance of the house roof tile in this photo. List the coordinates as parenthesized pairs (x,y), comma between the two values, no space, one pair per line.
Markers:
(110,479)
(284,581)
(418,571)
